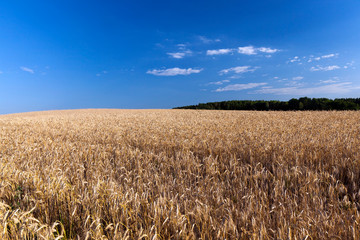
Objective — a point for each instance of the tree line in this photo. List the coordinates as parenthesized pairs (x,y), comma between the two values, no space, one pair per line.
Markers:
(301,104)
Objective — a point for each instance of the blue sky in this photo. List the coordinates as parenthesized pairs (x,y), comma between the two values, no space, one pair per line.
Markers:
(163,54)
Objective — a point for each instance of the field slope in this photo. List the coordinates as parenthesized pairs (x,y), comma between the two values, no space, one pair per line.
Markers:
(179,174)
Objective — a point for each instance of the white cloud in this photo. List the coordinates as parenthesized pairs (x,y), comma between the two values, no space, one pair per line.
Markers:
(177,55)
(338,88)
(249,50)
(312,58)
(330,55)
(219,82)
(239,69)
(29,70)
(327,68)
(173,71)
(239,87)
(219,51)
(295,59)
(328,81)
(297,78)
(181,45)
(331,80)
(182,53)
(267,50)
(350,64)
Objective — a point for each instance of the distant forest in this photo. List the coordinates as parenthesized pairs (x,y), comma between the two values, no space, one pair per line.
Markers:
(303,103)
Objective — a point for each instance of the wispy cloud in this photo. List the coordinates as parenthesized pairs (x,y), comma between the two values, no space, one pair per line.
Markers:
(338,88)
(267,50)
(179,55)
(219,51)
(29,70)
(350,64)
(173,71)
(294,59)
(312,58)
(239,87)
(328,81)
(294,84)
(239,69)
(103,72)
(330,55)
(250,50)
(298,78)
(208,40)
(327,68)
(181,45)
(219,82)
(331,80)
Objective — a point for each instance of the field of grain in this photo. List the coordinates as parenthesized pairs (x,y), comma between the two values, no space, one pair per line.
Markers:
(180,174)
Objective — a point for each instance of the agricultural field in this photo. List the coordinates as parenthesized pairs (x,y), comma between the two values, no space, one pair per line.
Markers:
(180,174)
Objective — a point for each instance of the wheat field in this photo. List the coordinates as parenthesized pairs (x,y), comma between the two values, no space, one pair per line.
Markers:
(179,174)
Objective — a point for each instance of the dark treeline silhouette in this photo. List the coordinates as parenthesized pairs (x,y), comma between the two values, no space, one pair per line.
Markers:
(303,103)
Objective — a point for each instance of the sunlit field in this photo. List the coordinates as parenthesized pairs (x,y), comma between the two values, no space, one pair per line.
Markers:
(180,174)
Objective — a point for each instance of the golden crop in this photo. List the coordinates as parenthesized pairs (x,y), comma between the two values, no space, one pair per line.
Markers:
(180,174)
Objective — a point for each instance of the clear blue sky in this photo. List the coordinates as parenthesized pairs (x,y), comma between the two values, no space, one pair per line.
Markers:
(162,54)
